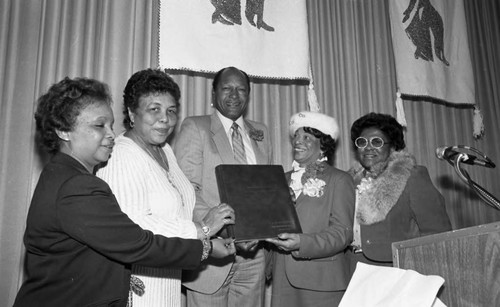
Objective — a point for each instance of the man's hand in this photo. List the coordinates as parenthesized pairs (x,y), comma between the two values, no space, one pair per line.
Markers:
(222,248)
(286,241)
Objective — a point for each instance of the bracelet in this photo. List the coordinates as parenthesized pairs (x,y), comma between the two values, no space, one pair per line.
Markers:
(207,249)
(205,229)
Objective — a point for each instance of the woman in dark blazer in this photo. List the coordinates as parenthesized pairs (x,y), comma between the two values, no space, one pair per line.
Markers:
(79,245)
(395,197)
(310,269)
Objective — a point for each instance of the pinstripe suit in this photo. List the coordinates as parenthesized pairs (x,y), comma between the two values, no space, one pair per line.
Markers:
(201,145)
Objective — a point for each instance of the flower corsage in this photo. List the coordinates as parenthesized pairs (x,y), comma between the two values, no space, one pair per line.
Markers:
(311,185)
(256,134)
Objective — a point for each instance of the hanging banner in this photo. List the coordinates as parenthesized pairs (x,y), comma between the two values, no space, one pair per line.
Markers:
(431,49)
(266,39)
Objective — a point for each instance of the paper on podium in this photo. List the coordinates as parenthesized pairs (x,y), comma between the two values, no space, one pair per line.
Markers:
(260,197)
(379,286)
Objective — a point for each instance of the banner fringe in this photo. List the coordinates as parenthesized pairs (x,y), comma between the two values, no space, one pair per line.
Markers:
(478,130)
(400,111)
(311,94)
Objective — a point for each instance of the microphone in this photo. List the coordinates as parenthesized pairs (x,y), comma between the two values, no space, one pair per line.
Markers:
(448,153)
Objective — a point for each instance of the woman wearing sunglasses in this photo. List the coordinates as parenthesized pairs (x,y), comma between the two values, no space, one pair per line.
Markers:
(395,198)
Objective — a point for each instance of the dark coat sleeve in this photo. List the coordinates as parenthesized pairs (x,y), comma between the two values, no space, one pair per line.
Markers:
(88,212)
(427,204)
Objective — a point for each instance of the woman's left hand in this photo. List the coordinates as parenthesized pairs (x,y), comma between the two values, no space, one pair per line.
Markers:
(286,241)
(218,217)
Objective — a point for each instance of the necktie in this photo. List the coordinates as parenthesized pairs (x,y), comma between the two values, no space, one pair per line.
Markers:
(238,148)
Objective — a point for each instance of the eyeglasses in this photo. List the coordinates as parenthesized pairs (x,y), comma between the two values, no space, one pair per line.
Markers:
(375,141)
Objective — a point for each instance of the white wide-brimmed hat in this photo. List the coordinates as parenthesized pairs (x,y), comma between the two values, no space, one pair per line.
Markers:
(324,123)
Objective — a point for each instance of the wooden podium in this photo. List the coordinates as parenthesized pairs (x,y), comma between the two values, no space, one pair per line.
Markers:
(468,259)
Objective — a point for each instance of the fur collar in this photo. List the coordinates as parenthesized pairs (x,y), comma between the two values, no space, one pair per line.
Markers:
(377,196)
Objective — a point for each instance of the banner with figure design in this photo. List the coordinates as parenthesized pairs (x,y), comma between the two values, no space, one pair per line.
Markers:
(431,49)
(265,38)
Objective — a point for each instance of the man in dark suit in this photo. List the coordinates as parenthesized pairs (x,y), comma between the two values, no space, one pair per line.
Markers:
(203,143)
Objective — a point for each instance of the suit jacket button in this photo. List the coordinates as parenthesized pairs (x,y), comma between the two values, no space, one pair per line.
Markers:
(368,242)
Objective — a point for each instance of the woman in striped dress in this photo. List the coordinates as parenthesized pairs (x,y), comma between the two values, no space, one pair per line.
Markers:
(149,185)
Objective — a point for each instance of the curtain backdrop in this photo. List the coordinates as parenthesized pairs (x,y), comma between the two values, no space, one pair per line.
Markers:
(353,67)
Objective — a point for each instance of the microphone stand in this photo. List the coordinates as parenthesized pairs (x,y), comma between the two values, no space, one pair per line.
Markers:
(480,191)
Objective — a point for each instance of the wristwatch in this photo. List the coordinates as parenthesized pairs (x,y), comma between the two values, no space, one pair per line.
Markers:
(205,229)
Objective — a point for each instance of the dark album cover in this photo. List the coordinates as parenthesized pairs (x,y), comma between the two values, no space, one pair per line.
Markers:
(261,200)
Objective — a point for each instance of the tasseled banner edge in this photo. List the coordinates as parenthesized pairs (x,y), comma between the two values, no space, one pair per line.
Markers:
(478,130)
(400,111)
(311,94)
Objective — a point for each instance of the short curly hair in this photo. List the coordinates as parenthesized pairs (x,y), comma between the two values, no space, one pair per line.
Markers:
(144,83)
(59,108)
(326,143)
(385,123)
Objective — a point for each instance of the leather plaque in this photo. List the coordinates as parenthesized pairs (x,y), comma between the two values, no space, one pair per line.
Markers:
(260,197)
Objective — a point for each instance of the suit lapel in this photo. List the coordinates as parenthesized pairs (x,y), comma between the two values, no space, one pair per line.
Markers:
(258,149)
(298,200)
(220,139)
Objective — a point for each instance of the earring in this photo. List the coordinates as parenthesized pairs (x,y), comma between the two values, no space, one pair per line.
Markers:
(131,124)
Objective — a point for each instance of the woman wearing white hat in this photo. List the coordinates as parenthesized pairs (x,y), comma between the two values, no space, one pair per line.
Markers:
(310,269)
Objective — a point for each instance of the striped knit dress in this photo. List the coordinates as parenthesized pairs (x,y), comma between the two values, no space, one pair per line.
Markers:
(160,202)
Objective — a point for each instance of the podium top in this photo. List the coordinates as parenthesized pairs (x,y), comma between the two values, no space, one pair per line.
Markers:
(449,235)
